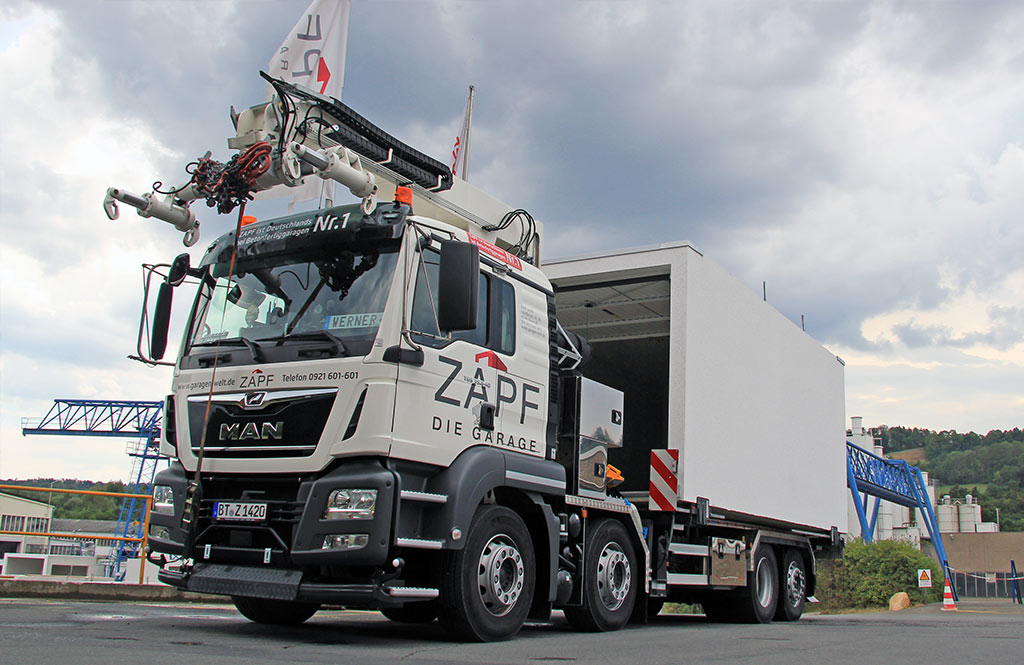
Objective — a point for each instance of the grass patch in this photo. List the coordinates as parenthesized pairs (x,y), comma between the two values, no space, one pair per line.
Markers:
(912,456)
(682,608)
(940,490)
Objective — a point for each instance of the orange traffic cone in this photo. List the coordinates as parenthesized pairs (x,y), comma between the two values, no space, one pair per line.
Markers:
(947,599)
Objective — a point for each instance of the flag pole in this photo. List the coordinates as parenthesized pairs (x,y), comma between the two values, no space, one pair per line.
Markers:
(469,130)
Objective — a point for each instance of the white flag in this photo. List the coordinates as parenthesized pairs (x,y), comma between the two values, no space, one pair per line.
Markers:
(460,152)
(313,55)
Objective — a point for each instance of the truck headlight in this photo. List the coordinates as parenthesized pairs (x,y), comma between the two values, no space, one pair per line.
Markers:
(163,500)
(351,505)
(159,532)
(345,541)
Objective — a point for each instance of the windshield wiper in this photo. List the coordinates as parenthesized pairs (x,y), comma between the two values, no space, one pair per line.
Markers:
(254,348)
(327,335)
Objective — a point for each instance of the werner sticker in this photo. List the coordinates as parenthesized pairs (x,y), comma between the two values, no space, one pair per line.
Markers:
(346,321)
(496,252)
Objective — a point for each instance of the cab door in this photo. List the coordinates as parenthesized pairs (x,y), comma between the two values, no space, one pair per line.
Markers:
(439,404)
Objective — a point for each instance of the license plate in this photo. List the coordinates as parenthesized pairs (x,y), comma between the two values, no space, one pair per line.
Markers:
(242,512)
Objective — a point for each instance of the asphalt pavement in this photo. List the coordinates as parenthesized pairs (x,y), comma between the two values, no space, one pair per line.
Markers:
(103,632)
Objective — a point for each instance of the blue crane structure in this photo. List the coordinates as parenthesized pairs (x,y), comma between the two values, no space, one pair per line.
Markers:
(894,481)
(131,419)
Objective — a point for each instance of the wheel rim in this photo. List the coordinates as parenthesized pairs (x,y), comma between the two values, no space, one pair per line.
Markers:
(795,584)
(500,575)
(764,583)
(613,576)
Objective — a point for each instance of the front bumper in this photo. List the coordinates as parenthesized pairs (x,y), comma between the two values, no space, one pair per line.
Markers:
(293,533)
(288,585)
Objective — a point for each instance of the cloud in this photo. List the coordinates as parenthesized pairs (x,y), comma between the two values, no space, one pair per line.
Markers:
(863,159)
(934,390)
(69,276)
(1005,332)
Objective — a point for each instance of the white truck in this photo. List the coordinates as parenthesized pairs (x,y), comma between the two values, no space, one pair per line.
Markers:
(392,406)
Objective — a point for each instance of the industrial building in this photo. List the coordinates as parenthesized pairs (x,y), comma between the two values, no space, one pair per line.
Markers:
(896,522)
(25,515)
(88,555)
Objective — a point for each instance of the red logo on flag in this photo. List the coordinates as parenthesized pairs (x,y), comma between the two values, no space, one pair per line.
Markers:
(455,154)
(323,74)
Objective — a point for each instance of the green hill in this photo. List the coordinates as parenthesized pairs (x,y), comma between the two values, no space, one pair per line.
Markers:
(75,506)
(991,467)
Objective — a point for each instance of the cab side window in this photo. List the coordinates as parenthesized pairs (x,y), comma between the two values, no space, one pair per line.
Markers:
(503,303)
(495,322)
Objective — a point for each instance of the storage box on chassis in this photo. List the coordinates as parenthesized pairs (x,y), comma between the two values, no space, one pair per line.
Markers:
(754,404)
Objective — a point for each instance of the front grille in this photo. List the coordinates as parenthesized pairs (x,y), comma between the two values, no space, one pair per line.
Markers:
(284,511)
(277,511)
(283,423)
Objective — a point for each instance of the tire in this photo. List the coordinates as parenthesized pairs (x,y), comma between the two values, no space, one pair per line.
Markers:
(487,588)
(757,603)
(274,612)
(610,580)
(424,612)
(793,587)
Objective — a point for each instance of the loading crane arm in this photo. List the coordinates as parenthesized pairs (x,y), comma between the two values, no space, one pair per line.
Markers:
(298,133)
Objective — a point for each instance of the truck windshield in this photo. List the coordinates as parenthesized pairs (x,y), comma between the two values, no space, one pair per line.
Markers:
(335,300)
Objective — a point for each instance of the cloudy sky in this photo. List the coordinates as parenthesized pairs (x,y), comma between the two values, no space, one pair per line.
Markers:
(864,159)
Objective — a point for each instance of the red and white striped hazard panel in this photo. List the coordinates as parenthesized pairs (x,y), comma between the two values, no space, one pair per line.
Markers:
(664,479)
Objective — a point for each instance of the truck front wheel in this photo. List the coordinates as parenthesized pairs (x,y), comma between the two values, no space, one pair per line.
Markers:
(609,580)
(487,588)
(274,612)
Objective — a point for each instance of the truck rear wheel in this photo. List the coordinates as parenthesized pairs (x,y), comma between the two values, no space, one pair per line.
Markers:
(609,580)
(487,588)
(274,612)
(757,603)
(422,612)
(793,584)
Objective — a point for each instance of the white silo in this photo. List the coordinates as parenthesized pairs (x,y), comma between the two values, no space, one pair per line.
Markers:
(970,515)
(946,515)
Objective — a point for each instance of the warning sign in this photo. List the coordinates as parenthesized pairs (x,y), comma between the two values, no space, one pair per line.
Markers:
(924,578)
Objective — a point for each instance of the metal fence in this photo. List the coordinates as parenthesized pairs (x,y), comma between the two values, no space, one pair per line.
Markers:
(983,585)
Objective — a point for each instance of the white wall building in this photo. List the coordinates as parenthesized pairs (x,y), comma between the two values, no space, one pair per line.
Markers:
(20,554)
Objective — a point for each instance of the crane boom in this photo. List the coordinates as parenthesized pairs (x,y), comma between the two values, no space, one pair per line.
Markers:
(301,133)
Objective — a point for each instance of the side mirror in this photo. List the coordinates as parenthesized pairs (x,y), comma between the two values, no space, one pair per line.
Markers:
(458,286)
(178,270)
(161,321)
